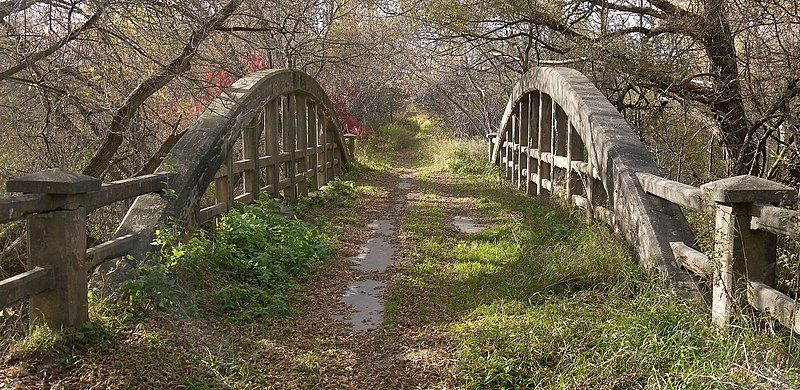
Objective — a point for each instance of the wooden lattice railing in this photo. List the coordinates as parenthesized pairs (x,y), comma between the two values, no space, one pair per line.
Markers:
(272,132)
(560,137)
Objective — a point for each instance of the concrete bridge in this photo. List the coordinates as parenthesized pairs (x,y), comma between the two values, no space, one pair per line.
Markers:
(272,131)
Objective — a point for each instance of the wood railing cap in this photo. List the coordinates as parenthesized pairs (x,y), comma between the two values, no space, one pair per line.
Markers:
(54,181)
(747,189)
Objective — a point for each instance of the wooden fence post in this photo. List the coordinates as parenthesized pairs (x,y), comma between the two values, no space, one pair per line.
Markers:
(533,143)
(290,146)
(313,143)
(560,146)
(740,254)
(302,144)
(574,150)
(271,144)
(57,240)
(250,139)
(522,141)
(544,143)
(350,141)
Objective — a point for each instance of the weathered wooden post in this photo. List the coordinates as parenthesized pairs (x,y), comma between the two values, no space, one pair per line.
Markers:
(522,141)
(313,144)
(271,142)
(350,141)
(533,143)
(560,147)
(545,133)
(223,186)
(574,153)
(492,138)
(740,254)
(250,139)
(57,240)
(289,117)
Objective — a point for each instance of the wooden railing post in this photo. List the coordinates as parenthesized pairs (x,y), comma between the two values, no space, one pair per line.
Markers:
(574,153)
(57,241)
(740,254)
(313,143)
(250,138)
(223,186)
(271,144)
(560,146)
(522,141)
(302,144)
(492,138)
(533,143)
(350,141)
(545,133)
(290,145)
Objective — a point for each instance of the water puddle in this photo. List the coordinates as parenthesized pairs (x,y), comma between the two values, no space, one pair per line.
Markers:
(363,298)
(376,255)
(404,185)
(467,225)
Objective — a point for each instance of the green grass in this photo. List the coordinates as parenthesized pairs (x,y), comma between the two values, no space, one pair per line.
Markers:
(542,300)
(242,269)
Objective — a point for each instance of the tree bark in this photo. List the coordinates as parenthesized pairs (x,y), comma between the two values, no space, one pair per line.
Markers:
(727,103)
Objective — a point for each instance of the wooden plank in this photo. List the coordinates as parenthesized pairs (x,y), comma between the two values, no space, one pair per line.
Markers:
(120,190)
(598,212)
(777,304)
(211,211)
(522,157)
(776,220)
(692,259)
(250,140)
(271,145)
(17,207)
(571,177)
(559,150)
(302,143)
(313,142)
(21,286)
(544,145)
(111,249)
(223,185)
(681,194)
(322,149)
(244,198)
(290,144)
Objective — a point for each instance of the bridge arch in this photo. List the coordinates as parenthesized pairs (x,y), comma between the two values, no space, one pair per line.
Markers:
(269,132)
(560,136)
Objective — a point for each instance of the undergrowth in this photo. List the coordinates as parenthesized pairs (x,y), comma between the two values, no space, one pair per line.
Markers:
(243,268)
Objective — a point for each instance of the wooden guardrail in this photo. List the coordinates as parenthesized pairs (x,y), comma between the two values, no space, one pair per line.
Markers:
(560,137)
(55,205)
(742,265)
(273,132)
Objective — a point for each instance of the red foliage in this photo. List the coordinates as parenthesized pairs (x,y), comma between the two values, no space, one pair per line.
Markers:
(341,99)
(221,79)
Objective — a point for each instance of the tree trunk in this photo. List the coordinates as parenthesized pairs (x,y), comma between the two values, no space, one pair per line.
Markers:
(727,103)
